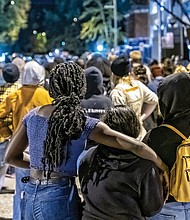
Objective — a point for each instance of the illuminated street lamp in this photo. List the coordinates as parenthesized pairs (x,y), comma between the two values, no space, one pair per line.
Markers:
(34,32)
(75,19)
(100,48)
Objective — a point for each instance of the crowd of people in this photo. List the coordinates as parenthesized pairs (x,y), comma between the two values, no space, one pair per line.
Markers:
(97,119)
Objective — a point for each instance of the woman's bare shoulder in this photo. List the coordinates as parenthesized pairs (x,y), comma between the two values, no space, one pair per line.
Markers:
(45,110)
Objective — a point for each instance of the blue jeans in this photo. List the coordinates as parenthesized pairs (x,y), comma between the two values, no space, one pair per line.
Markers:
(174,210)
(51,202)
(19,187)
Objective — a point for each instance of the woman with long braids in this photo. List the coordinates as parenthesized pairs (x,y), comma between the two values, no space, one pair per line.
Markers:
(56,135)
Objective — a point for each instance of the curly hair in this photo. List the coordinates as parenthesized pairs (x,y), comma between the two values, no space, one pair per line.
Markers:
(67,87)
(122,119)
(119,118)
(140,74)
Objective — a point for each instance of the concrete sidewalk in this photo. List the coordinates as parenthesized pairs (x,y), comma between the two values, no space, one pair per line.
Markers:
(6,199)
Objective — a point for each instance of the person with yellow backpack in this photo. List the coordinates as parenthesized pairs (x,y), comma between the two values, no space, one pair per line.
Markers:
(170,141)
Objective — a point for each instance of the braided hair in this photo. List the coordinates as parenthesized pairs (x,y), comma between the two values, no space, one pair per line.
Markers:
(67,87)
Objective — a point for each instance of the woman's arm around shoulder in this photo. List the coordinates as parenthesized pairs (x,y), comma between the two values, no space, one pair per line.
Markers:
(103,134)
(15,155)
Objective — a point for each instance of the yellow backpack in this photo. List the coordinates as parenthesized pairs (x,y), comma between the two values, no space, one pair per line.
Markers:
(180,172)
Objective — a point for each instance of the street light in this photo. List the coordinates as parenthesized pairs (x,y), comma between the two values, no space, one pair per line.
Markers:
(34,32)
(114,7)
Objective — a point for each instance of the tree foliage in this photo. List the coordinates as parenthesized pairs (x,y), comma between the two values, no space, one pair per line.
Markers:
(97,21)
(40,43)
(13,17)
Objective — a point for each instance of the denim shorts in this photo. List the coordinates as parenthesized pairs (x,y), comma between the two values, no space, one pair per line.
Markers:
(174,210)
(50,202)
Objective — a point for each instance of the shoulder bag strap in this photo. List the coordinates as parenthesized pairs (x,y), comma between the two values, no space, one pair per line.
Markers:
(175,130)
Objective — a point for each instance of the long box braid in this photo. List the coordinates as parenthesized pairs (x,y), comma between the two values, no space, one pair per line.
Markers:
(67,87)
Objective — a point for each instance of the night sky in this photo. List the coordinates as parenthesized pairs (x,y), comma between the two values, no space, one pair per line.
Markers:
(42,1)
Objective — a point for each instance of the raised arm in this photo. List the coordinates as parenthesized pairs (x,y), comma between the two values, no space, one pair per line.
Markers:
(15,155)
(104,135)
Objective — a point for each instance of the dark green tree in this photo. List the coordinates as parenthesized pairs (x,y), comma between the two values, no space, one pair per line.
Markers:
(62,25)
(13,17)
